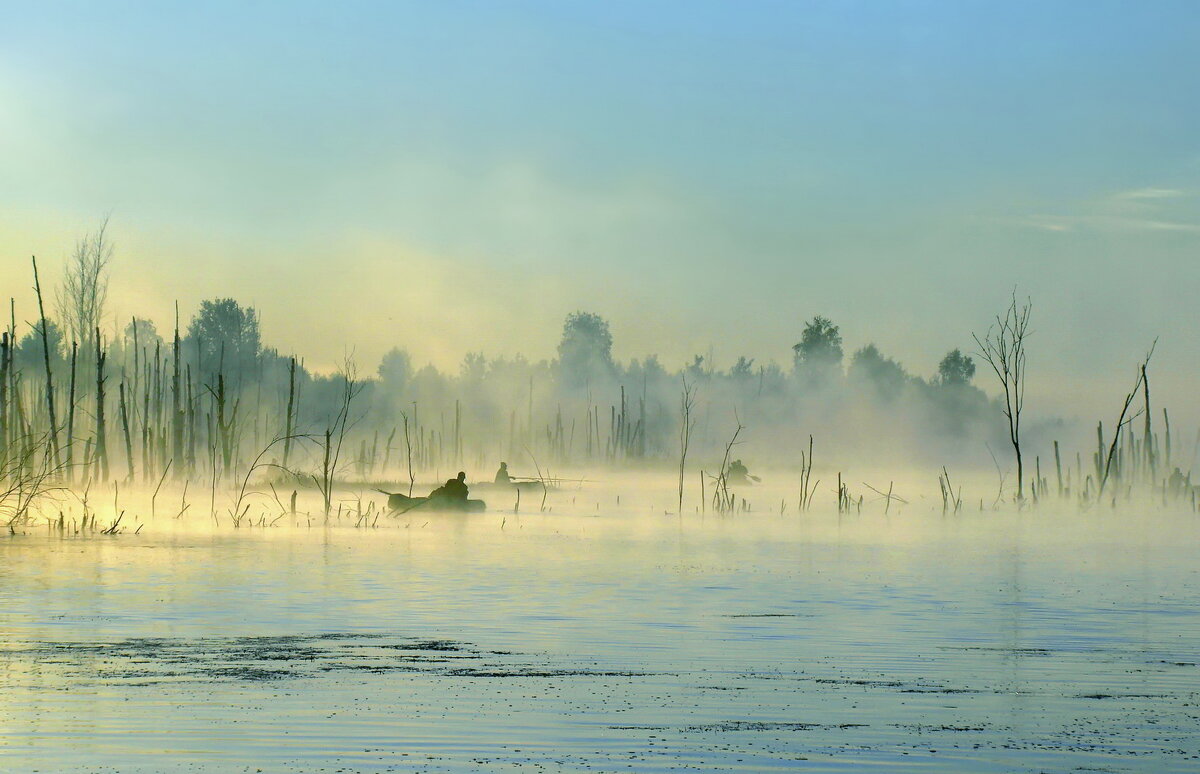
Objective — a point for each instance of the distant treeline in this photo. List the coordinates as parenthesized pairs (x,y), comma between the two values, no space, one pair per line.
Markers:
(208,402)
(210,397)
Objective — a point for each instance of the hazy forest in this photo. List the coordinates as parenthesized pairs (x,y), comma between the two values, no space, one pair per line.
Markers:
(86,399)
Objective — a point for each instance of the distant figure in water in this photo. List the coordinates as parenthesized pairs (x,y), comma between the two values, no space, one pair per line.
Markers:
(1177,483)
(454,489)
(737,473)
(502,476)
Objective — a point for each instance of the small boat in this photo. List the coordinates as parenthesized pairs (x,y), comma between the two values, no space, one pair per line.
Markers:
(401,503)
(512,486)
(742,480)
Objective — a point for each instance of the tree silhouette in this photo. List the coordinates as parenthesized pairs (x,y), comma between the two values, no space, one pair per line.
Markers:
(144,331)
(885,375)
(226,336)
(28,354)
(743,369)
(585,351)
(396,368)
(956,368)
(84,290)
(473,368)
(819,352)
(1003,348)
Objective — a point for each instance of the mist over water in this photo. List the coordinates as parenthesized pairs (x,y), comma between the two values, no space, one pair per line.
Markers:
(237,563)
(598,635)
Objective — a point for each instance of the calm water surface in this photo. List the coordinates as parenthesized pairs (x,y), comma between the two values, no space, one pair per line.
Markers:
(608,641)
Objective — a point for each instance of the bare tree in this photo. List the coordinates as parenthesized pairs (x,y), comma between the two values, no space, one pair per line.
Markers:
(27,477)
(335,433)
(1003,347)
(687,403)
(84,289)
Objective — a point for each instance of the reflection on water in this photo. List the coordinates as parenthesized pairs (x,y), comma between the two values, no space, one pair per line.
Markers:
(608,640)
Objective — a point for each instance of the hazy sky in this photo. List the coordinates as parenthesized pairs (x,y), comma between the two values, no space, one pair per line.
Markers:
(455,176)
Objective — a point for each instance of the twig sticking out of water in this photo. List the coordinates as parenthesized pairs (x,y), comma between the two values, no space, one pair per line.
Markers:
(723,500)
(887,496)
(807,486)
(950,500)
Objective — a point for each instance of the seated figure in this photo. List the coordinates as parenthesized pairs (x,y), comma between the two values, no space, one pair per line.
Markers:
(454,489)
(738,473)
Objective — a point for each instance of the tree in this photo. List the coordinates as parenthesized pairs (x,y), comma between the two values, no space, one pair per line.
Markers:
(696,369)
(396,369)
(687,423)
(743,369)
(647,371)
(771,379)
(956,368)
(819,351)
(884,374)
(141,333)
(226,335)
(956,403)
(474,368)
(1003,347)
(84,289)
(145,331)
(29,353)
(336,428)
(585,351)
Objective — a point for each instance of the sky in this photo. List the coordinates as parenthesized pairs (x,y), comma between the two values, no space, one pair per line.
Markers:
(451,177)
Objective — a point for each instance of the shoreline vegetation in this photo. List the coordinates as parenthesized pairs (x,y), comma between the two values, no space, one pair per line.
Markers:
(212,414)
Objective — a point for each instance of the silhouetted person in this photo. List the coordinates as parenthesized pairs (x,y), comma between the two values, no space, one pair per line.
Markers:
(1177,483)
(737,473)
(502,476)
(451,492)
(453,489)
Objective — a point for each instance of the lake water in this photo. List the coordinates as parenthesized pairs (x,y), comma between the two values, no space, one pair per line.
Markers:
(608,638)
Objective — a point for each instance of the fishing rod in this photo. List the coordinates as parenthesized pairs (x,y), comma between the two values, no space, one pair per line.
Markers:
(550,480)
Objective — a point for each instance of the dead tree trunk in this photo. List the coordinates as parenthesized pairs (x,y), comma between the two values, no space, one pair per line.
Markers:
(125,429)
(71,409)
(289,426)
(1121,422)
(101,448)
(5,346)
(176,409)
(1148,434)
(37,286)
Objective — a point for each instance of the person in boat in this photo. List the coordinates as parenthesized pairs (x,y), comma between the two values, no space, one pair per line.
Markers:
(502,476)
(454,489)
(737,473)
(1177,483)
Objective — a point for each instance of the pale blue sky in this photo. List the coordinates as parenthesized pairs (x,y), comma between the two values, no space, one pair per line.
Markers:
(700,173)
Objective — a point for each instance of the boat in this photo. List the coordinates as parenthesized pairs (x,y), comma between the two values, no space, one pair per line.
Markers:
(402,503)
(513,486)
